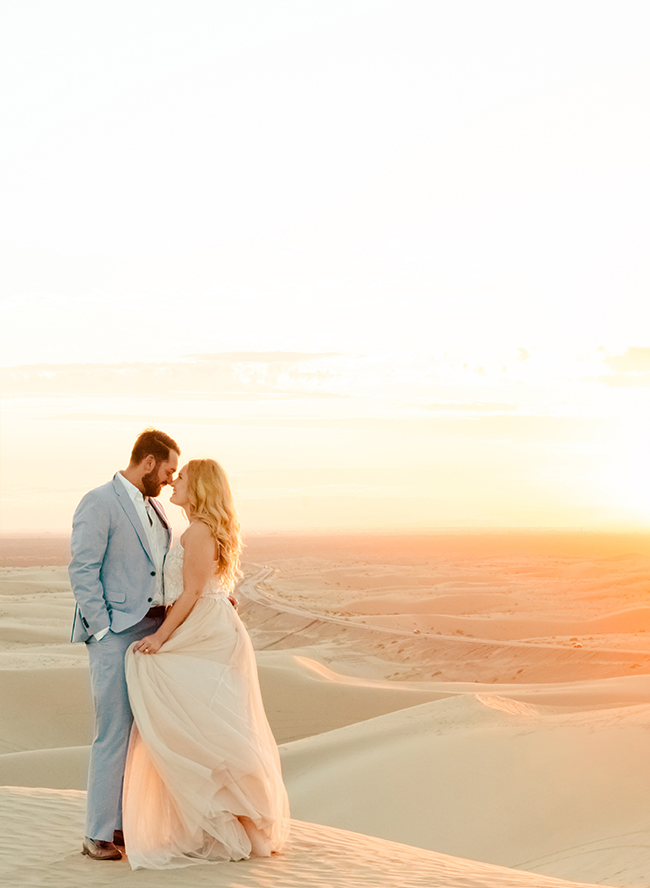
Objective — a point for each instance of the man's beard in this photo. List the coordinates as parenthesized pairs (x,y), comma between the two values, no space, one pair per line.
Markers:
(151,483)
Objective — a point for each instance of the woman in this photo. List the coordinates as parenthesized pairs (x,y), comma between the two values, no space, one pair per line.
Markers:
(203,779)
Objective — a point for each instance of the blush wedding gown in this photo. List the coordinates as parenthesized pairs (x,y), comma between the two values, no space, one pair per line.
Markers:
(203,779)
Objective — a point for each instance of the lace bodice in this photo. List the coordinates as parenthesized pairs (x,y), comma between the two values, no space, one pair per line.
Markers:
(173,577)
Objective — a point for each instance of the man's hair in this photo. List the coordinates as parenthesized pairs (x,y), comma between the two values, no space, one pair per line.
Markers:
(154,443)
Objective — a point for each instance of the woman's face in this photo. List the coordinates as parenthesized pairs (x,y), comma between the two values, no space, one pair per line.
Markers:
(179,496)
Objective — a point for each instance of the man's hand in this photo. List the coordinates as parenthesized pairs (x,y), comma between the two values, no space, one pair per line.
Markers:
(151,644)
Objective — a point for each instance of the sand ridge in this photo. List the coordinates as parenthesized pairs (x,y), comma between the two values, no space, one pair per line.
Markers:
(521,752)
(315,856)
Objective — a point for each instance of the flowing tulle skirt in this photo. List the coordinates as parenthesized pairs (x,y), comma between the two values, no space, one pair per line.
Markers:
(203,779)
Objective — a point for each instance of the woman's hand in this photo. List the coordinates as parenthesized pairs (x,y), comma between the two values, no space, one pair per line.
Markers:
(151,644)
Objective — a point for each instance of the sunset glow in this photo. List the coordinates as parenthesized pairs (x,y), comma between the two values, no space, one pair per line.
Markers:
(386,262)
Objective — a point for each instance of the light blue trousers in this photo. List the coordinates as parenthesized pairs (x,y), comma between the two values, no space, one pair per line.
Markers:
(113,719)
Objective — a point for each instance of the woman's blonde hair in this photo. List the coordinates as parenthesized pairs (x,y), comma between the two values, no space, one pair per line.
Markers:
(211,501)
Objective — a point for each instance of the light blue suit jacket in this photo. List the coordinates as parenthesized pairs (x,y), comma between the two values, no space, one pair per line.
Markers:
(112,571)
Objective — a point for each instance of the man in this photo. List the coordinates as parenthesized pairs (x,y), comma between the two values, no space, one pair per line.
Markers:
(120,537)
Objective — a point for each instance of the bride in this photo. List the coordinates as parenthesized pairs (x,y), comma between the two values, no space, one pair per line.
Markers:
(203,779)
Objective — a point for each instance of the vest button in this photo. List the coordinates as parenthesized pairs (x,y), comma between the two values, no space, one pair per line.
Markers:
(153,573)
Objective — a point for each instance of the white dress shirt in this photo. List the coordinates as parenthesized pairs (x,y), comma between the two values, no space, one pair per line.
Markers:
(156,535)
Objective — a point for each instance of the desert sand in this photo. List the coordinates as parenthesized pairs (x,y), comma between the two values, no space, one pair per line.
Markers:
(456,709)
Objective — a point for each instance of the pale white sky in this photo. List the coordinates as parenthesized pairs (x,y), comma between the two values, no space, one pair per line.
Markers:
(436,212)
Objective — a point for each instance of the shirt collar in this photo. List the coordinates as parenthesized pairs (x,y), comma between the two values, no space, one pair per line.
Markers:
(131,489)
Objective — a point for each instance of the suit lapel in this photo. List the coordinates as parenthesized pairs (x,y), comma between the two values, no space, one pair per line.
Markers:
(160,513)
(127,504)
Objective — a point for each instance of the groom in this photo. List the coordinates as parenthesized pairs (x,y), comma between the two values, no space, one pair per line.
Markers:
(120,537)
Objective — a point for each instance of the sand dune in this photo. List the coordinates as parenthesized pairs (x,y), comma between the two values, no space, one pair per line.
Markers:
(315,856)
(508,627)
(59,768)
(396,652)
(471,603)
(489,779)
(300,701)
(303,697)
(44,707)
(589,694)
(515,748)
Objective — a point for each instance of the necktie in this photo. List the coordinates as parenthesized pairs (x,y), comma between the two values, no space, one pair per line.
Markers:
(147,506)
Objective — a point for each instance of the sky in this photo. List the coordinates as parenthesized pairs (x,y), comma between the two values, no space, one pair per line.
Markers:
(386,261)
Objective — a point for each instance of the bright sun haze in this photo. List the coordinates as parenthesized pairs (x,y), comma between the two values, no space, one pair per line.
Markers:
(385,261)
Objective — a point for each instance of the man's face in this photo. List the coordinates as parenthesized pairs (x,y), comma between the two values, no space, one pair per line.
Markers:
(161,474)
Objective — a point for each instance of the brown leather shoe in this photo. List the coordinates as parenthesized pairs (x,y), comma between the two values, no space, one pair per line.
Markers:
(97,849)
(118,838)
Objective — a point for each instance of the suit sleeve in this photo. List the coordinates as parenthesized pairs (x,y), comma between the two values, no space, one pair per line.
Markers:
(90,530)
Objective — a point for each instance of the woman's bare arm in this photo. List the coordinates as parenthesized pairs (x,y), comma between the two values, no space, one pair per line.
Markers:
(198,567)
